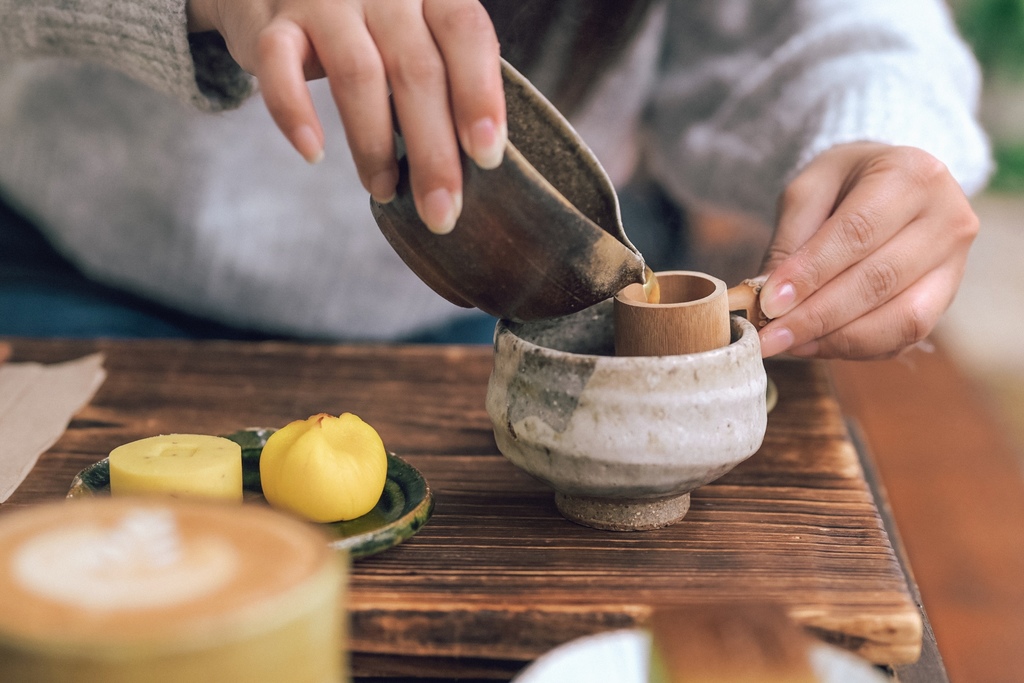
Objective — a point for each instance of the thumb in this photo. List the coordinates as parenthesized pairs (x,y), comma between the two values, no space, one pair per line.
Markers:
(804,205)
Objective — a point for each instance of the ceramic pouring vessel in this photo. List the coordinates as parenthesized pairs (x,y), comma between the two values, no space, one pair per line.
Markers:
(540,236)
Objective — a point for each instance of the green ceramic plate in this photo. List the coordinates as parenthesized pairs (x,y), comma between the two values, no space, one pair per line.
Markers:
(405,505)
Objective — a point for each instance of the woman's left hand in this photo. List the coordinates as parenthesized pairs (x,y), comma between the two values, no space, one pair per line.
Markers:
(869,249)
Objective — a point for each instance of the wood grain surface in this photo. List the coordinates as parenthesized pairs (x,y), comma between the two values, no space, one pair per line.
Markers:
(497,575)
(957,494)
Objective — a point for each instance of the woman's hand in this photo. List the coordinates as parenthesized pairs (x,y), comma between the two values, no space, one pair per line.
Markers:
(869,250)
(440,59)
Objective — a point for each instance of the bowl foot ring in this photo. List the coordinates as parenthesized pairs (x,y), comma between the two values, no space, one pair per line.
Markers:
(619,514)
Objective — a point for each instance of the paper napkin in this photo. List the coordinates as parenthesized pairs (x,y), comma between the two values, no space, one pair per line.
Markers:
(36,404)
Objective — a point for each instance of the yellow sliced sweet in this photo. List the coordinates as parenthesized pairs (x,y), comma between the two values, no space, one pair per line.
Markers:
(182,465)
(325,468)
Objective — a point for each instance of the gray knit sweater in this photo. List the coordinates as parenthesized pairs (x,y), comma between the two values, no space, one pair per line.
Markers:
(151,163)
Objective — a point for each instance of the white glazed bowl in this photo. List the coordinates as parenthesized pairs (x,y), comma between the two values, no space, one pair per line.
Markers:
(622,440)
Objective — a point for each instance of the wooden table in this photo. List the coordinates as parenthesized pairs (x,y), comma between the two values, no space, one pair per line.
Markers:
(957,494)
(497,577)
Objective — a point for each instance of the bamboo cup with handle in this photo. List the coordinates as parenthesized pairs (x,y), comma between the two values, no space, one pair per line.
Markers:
(690,316)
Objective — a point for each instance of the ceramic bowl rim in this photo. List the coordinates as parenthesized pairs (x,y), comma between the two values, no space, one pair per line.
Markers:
(747,341)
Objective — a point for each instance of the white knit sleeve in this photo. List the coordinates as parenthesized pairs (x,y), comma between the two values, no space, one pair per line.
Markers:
(146,39)
(750,92)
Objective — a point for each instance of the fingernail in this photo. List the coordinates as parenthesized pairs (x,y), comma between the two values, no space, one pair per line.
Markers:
(778,300)
(487,143)
(382,186)
(775,340)
(441,209)
(808,349)
(308,144)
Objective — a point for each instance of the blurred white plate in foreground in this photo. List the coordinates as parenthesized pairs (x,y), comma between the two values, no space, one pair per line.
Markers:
(621,657)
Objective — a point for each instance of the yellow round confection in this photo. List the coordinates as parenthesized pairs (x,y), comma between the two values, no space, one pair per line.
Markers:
(324,468)
(159,590)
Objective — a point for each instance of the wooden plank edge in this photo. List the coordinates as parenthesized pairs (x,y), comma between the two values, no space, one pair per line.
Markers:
(928,666)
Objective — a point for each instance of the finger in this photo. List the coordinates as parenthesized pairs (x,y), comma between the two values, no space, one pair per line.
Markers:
(877,206)
(887,330)
(355,72)
(463,32)
(918,249)
(805,204)
(282,50)
(419,86)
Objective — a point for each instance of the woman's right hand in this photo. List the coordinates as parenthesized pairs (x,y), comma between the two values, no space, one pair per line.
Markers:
(440,59)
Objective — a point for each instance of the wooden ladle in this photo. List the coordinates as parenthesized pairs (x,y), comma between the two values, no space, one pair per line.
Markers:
(680,312)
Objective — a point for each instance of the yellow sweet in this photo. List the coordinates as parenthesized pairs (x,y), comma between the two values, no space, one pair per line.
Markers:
(325,468)
(183,465)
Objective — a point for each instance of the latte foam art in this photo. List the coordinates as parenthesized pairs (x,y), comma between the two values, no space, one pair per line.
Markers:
(140,562)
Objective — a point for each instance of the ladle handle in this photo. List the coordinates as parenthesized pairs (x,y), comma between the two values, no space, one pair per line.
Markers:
(745,300)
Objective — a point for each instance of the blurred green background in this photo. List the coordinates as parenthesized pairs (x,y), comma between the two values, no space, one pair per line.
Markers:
(995,30)
(979,326)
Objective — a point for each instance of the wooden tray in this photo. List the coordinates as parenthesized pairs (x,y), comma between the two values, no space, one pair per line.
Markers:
(497,577)
(498,574)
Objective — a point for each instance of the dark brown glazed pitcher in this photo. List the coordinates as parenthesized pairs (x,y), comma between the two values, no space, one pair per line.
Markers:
(540,236)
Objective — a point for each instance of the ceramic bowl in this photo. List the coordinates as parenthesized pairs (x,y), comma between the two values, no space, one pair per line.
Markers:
(623,440)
